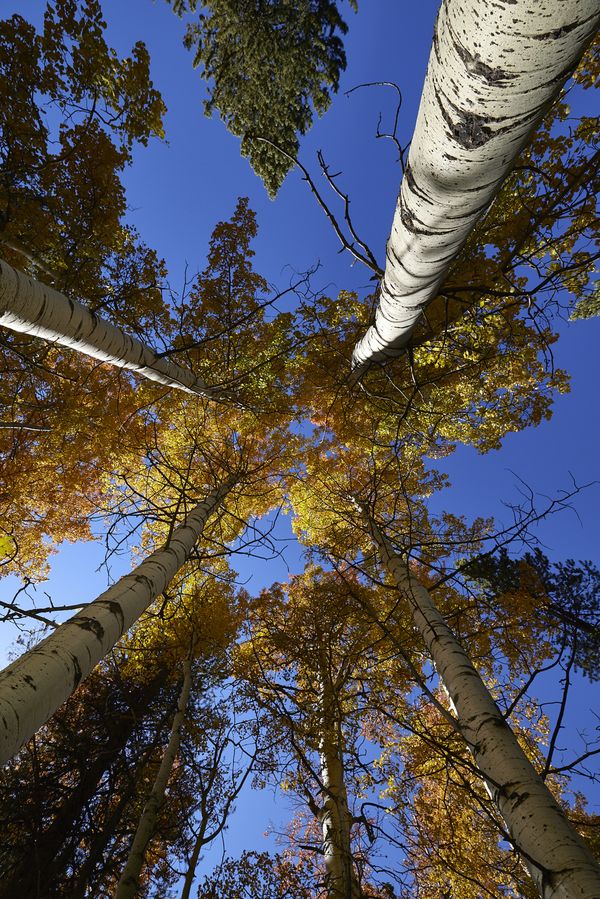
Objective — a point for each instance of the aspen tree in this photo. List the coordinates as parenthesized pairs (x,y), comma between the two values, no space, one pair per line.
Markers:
(557,859)
(334,815)
(62,220)
(30,307)
(493,72)
(33,687)
(129,881)
(309,657)
(195,636)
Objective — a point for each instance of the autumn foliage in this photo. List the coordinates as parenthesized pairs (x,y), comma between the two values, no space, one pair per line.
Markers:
(319,687)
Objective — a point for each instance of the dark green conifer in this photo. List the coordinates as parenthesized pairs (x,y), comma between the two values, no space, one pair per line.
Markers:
(269,65)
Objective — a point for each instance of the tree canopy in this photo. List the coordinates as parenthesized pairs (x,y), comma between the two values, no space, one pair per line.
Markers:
(403,687)
(270,65)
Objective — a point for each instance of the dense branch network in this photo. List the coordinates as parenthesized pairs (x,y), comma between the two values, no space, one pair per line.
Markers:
(136,724)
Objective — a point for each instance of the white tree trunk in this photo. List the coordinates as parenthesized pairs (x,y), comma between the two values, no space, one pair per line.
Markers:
(32,687)
(493,72)
(334,816)
(556,857)
(30,307)
(129,881)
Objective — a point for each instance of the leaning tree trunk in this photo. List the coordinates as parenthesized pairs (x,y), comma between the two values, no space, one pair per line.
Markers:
(559,862)
(129,881)
(30,307)
(334,815)
(494,70)
(32,688)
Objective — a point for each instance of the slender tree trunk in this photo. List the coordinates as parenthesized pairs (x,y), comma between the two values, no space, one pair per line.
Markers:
(129,882)
(205,789)
(32,688)
(335,817)
(193,862)
(30,307)
(95,862)
(494,71)
(557,858)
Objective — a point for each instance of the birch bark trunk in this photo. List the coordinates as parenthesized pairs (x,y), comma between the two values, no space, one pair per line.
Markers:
(30,307)
(32,687)
(494,71)
(129,881)
(557,858)
(335,817)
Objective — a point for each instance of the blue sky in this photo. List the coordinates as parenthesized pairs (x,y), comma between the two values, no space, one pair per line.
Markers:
(178,190)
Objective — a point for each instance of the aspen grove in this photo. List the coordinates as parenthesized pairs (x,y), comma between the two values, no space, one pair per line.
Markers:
(287,605)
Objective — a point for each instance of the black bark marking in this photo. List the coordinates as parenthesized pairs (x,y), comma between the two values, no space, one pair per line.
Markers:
(29,681)
(414,187)
(77,672)
(42,310)
(469,130)
(476,66)
(557,32)
(491,719)
(436,43)
(115,609)
(522,798)
(142,579)
(410,223)
(91,625)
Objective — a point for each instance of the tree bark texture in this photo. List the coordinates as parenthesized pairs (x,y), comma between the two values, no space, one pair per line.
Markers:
(557,858)
(30,307)
(129,881)
(32,687)
(335,818)
(494,71)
